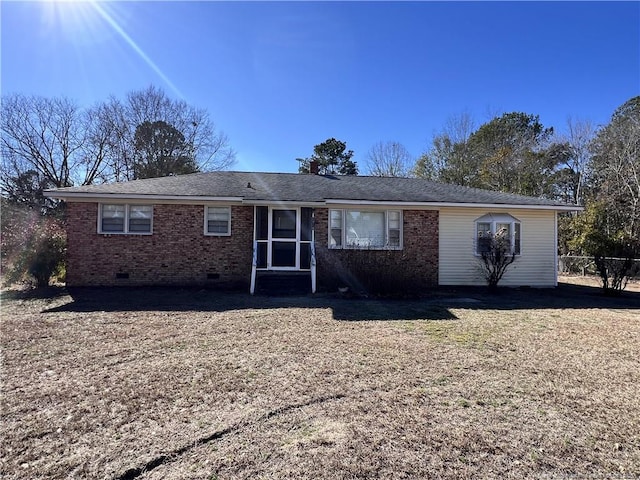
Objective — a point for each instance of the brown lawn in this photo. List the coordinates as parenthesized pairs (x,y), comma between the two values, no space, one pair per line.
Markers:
(155,383)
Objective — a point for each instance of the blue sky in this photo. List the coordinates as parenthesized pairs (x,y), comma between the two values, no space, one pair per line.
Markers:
(279,78)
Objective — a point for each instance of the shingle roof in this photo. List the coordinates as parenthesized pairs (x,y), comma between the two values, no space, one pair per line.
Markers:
(290,187)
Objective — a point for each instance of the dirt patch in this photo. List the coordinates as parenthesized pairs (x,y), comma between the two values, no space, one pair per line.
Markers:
(157,383)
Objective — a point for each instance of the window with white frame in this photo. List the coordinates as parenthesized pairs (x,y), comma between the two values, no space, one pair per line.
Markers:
(497,225)
(125,218)
(217,221)
(365,229)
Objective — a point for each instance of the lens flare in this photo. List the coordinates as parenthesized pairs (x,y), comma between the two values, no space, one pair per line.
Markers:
(136,48)
(84,21)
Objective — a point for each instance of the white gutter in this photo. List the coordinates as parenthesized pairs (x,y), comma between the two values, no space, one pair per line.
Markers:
(280,203)
(91,196)
(452,204)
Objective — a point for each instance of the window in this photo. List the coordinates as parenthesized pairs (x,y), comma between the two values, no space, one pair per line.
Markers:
(499,225)
(283,224)
(393,228)
(335,228)
(113,218)
(140,218)
(484,237)
(365,229)
(123,218)
(217,220)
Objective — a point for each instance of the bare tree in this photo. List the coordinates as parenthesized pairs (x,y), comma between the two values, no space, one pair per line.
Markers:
(46,136)
(389,159)
(616,169)
(450,142)
(98,132)
(573,150)
(460,127)
(51,142)
(207,146)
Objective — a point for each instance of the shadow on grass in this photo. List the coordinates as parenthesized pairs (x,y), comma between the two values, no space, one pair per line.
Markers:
(49,293)
(120,299)
(565,295)
(435,305)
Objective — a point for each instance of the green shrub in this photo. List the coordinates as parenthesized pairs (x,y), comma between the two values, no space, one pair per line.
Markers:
(613,250)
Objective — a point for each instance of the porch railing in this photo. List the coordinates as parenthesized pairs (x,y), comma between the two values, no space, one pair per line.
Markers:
(313,267)
(254,267)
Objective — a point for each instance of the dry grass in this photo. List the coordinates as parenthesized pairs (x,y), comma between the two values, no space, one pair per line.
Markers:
(155,384)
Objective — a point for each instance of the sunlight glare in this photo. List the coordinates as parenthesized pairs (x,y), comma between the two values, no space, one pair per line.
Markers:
(83,22)
(118,29)
(70,17)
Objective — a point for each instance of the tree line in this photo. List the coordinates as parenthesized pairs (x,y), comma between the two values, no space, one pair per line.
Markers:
(595,167)
(53,142)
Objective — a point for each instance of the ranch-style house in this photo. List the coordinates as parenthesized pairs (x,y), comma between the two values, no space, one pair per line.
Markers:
(242,229)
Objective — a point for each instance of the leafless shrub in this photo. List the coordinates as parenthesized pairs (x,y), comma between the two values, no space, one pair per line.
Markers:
(370,272)
(496,254)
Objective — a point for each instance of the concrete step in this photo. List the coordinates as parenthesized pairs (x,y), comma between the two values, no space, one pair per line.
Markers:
(276,284)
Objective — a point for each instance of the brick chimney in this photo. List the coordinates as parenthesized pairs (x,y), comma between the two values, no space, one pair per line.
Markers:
(314,167)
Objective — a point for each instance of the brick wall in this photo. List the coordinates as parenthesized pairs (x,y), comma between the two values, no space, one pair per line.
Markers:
(176,253)
(412,269)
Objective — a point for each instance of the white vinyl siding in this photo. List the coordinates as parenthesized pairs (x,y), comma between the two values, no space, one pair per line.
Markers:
(535,266)
(125,219)
(217,221)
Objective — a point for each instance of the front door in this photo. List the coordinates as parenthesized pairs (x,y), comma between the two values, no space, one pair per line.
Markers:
(283,238)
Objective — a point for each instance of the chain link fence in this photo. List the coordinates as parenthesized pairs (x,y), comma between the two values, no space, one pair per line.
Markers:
(578,265)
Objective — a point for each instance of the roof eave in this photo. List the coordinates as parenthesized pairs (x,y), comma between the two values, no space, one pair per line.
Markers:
(564,208)
(297,203)
(91,196)
(102,197)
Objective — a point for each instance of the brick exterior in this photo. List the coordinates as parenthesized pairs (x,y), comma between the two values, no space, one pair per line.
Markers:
(412,269)
(177,253)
